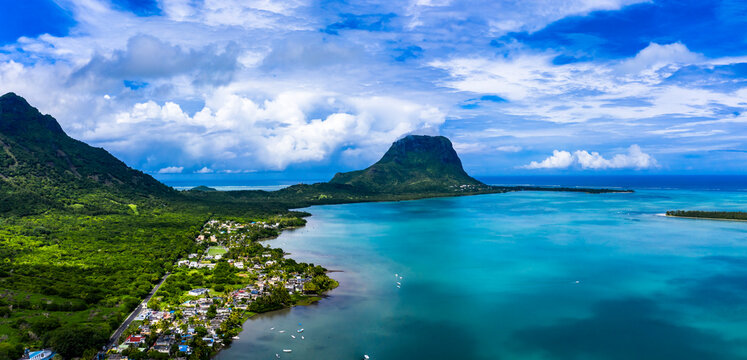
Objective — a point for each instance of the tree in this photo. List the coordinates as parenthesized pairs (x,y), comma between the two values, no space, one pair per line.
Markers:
(72,341)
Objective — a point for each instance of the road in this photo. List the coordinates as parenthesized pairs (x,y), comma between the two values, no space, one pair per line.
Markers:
(142,306)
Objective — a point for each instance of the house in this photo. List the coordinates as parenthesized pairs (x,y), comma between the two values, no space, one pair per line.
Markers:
(198,292)
(164,349)
(165,340)
(38,355)
(135,340)
(185,349)
(239,265)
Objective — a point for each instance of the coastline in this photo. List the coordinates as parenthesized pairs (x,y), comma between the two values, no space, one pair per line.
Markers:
(316,298)
(701,218)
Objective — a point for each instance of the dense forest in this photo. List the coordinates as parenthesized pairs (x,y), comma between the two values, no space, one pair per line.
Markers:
(720,215)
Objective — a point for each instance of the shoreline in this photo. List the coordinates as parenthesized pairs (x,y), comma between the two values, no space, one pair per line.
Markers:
(701,218)
(310,299)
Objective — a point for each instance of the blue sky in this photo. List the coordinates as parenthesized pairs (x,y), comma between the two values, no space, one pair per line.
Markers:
(308,88)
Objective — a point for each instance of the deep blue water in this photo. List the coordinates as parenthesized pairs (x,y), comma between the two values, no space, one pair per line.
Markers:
(527,275)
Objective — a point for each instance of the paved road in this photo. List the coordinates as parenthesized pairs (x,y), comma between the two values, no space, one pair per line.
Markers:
(142,306)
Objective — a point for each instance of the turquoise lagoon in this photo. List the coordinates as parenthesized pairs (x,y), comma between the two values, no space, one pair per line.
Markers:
(526,275)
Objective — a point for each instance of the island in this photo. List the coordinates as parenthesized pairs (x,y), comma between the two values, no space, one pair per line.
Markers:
(97,254)
(709,215)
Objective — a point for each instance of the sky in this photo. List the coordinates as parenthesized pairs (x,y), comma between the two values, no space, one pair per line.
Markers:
(304,89)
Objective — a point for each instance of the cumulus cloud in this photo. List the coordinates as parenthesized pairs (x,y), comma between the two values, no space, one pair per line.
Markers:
(171,170)
(558,160)
(232,130)
(205,170)
(635,158)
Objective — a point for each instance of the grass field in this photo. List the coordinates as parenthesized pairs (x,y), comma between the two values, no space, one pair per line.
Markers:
(217,250)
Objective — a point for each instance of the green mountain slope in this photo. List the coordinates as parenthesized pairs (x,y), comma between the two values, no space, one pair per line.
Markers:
(412,164)
(40,166)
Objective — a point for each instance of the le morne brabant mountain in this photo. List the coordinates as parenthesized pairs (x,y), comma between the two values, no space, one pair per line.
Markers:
(413,164)
(84,238)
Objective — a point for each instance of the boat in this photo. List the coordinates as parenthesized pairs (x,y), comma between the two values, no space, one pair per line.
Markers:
(287,350)
(396,275)
(272,328)
(302,337)
(398,283)
(366,357)
(299,330)
(235,337)
(293,336)
(277,356)
(281,331)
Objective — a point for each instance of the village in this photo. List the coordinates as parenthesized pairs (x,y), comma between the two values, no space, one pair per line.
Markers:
(210,293)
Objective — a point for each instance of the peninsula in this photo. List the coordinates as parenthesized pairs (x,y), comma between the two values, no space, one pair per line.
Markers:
(99,254)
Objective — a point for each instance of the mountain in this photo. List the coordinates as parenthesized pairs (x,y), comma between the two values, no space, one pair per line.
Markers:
(41,165)
(415,163)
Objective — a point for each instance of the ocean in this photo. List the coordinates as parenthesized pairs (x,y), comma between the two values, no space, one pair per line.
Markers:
(524,275)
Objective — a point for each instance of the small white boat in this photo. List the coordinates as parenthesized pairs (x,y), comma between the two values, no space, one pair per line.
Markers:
(399,287)
(277,356)
(366,357)
(272,328)
(293,336)
(302,337)
(287,350)
(398,283)
(235,337)
(396,275)
(281,331)
(299,330)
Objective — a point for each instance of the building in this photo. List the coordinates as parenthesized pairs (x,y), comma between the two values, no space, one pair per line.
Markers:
(135,340)
(185,349)
(38,355)
(198,292)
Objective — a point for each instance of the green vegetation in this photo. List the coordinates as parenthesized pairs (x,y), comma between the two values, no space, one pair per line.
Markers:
(217,250)
(716,215)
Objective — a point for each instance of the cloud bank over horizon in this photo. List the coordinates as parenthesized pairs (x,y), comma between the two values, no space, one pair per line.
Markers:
(184,87)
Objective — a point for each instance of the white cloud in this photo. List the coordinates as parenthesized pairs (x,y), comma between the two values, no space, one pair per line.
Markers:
(509,148)
(234,130)
(656,56)
(628,90)
(171,170)
(633,159)
(205,170)
(558,160)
